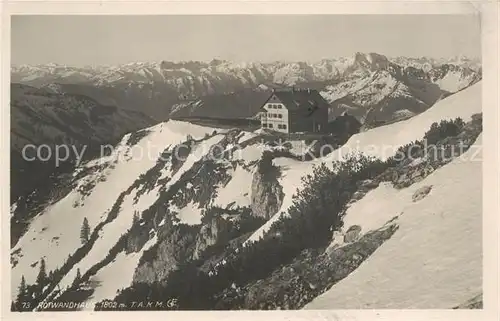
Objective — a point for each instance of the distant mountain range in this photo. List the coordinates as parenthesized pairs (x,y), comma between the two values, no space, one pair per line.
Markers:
(96,105)
(164,89)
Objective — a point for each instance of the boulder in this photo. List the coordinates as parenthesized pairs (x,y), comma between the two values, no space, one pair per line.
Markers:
(369,184)
(421,193)
(352,233)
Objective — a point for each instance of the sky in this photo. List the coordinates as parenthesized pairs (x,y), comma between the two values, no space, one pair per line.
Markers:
(102,40)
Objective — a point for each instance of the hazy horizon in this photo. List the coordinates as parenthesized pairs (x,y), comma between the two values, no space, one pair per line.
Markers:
(113,40)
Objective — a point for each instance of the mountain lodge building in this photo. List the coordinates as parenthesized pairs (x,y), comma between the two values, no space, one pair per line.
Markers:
(295,110)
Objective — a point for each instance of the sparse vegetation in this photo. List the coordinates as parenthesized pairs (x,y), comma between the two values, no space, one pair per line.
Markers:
(85,231)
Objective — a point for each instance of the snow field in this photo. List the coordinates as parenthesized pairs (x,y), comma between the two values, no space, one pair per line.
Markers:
(434,260)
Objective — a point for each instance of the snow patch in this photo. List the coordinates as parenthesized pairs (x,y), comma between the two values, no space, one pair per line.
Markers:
(116,276)
(189,214)
(237,191)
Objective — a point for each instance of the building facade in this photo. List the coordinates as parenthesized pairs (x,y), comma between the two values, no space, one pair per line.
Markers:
(275,117)
(295,110)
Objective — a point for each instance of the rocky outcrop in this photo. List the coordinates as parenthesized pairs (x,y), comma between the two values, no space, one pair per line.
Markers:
(210,234)
(267,195)
(174,248)
(363,188)
(137,237)
(409,175)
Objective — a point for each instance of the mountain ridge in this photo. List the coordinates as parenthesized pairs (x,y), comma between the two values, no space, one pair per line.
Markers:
(173,199)
(155,87)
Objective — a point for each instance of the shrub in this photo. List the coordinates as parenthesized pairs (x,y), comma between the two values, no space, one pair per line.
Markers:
(266,167)
(446,128)
(210,213)
(409,151)
(318,208)
(437,132)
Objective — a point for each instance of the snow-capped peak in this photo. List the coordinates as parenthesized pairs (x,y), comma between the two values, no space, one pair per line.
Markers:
(371,61)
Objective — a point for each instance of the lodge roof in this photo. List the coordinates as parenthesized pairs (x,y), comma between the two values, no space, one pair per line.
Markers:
(299,99)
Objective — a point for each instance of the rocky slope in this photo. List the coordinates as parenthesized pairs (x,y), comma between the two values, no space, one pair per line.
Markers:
(228,219)
(378,90)
(42,118)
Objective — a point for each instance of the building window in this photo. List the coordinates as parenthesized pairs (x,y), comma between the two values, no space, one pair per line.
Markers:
(280,116)
(283,126)
(279,106)
(270,125)
(270,115)
(264,125)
